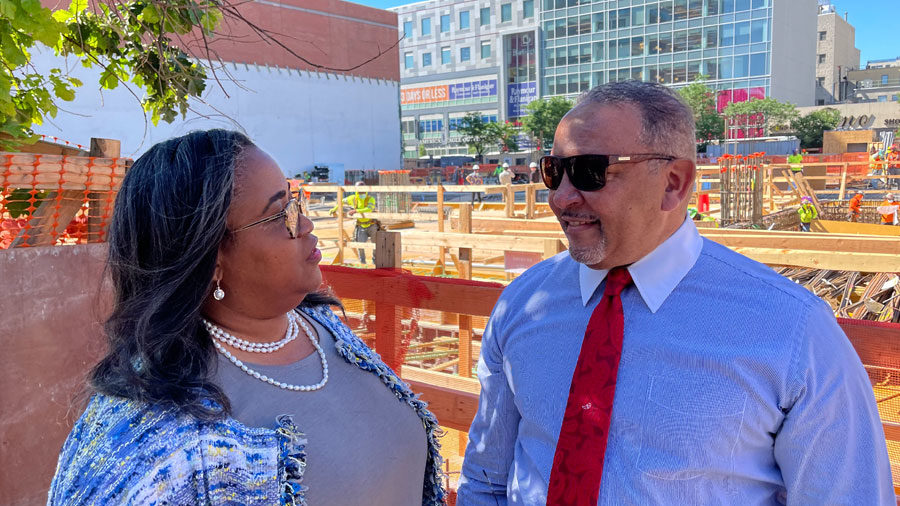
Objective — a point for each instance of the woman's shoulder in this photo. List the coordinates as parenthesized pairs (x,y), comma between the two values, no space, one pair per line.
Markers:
(132,452)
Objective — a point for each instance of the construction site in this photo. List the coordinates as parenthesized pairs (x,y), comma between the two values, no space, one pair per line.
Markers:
(441,259)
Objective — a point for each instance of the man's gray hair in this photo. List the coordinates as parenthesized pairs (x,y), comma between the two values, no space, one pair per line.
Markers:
(667,123)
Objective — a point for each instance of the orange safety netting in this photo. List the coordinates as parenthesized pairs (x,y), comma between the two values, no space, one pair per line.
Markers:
(48,200)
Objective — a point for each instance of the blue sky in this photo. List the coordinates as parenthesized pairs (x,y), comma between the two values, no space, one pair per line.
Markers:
(876,23)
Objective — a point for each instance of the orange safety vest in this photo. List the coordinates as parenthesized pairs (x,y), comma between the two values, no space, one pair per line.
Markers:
(856,205)
(889,218)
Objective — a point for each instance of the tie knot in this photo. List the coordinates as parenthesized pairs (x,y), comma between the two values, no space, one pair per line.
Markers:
(616,281)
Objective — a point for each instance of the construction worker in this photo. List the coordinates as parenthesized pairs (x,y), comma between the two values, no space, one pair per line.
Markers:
(893,158)
(856,207)
(365,227)
(807,213)
(534,175)
(876,167)
(795,160)
(506,176)
(474,178)
(888,210)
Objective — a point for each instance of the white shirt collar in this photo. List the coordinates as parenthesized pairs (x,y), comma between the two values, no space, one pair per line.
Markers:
(658,273)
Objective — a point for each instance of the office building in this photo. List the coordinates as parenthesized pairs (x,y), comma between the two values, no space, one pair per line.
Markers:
(836,54)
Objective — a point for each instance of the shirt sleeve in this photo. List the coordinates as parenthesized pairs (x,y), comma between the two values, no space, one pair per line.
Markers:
(492,436)
(831,447)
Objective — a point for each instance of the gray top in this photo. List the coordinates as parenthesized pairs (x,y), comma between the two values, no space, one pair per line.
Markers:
(365,447)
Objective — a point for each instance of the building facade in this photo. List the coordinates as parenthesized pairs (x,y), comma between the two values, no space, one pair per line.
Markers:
(543,48)
(303,115)
(460,57)
(878,82)
(836,54)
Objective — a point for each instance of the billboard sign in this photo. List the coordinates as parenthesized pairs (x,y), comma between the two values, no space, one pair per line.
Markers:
(446,92)
(519,95)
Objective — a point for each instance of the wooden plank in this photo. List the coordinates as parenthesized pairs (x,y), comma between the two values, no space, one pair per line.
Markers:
(442,252)
(388,250)
(530,198)
(552,247)
(842,193)
(465,345)
(465,263)
(465,218)
(339,258)
(803,241)
(864,262)
(387,337)
(499,225)
(450,381)
(846,227)
(453,408)
(479,242)
(510,201)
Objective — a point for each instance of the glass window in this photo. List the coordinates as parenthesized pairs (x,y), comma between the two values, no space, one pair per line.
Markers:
(560,27)
(528,9)
(637,46)
(725,68)
(741,65)
(407,29)
(549,57)
(664,74)
(596,78)
(680,11)
(597,20)
(679,72)
(756,4)
(665,11)
(584,24)
(426,26)
(561,56)
(821,58)
(584,55)
(726,35)
(759,30)
(485,16)
(445,23)
(637,16)
(726,6)
(882,98)
(598,51)
(408,60)
(711,68)
(742,33)
(693,71)
(711,7)
(652,14)
(741,5)
(445,55)
(505,13)
(426,59)
(572,26)
(624,18)
(550,86)
(679,41)
(612,20)
(573,55)
(463,20)
(822,35)
(758,64)
(624,48)
(695,9)
(710,37)
(665,43)
(561,84)
(549,31)
(584,81)
(695,39)
(884,79)
(485,49)
(465,53)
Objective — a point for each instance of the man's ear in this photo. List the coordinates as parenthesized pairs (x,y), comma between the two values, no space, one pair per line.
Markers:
(680,176)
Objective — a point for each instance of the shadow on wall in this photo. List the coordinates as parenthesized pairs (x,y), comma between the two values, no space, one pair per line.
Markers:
(53,303)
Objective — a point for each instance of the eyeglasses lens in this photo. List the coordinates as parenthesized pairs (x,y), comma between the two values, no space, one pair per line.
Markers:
(586,172)
(292,217)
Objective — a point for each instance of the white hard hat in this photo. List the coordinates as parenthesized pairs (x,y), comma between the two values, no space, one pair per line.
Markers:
(505,165)
(532,165)
(475,167)
(889,196)
(360,183)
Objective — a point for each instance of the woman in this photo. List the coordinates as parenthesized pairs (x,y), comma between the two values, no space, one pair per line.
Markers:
(228,378)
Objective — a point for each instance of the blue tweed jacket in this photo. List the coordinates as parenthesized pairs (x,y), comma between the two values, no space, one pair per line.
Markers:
(127,452)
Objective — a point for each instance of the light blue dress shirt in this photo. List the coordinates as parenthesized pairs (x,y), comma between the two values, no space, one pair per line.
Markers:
(735,386)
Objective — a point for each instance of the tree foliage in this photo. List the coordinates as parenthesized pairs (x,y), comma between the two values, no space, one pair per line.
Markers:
(776,115)
(476,133)
(702,101)
(543,118)
(505,135)
(811,127)
(133,42)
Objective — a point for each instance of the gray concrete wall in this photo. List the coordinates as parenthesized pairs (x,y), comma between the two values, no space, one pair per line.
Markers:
(793,51)
(50,333)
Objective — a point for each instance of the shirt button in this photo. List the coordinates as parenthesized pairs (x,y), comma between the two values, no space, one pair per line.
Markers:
(586,406)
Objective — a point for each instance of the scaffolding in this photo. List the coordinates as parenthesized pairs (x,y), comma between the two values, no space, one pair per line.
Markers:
(742,189)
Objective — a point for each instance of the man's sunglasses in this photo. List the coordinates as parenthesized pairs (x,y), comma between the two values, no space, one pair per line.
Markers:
(587,172)
(290,213)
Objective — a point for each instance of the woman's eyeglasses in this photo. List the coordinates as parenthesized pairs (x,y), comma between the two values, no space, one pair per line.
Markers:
(587,172)
(290,213)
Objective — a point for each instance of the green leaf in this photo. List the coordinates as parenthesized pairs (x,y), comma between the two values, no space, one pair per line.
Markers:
(8,9)
(149,14)
(61,15)
(77,6)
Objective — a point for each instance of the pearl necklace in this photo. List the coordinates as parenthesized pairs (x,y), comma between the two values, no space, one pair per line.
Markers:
(250,346)
(262,377)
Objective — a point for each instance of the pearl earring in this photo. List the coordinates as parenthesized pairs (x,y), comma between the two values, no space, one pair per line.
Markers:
(218,294)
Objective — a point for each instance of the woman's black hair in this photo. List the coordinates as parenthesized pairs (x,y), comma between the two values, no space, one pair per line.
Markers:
(164,237)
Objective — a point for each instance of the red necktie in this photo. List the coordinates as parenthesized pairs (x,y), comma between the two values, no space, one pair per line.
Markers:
(578,461)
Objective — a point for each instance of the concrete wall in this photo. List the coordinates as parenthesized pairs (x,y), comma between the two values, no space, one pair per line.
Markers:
(301,118)
(793,51)
(839,49)
(50,336)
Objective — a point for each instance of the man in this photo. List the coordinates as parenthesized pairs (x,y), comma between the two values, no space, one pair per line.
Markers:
(807,212)
(856,207)
(876,167)
(795,160)
(893,158)
(888,210)
(474,178)
(365,227)
(734,385)
(506,175)
(534,176)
